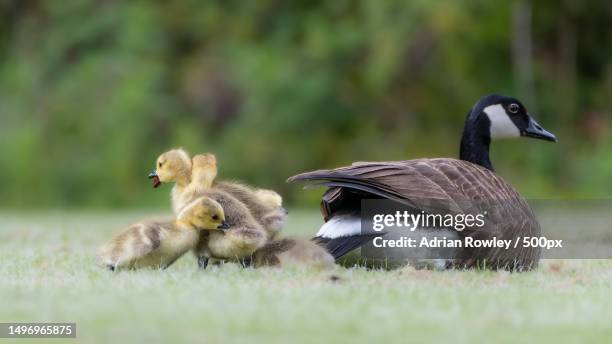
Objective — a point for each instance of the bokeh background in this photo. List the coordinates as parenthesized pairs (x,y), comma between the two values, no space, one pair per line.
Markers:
(92,91)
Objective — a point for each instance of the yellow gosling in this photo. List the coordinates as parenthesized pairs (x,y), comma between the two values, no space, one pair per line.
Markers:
(158,244)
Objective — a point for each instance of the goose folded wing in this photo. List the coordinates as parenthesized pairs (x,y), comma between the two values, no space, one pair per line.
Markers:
(439,186)
(415,183)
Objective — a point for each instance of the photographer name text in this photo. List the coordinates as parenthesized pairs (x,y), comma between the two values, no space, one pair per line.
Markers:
(469,242)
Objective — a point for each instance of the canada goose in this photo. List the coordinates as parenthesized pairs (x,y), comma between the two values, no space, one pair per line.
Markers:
(265,205)
(292,252)
(269,198)
(174,166)
(191,176)
(243,236)
(203,170)
(203,174)
(158,244)
(440,185)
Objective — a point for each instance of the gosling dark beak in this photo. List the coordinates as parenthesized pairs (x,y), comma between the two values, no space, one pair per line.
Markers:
(154,179)
(534,130)
(224,225)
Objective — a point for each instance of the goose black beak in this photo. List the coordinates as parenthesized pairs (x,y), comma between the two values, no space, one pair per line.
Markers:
(534,130)
(224,225)
(154,179)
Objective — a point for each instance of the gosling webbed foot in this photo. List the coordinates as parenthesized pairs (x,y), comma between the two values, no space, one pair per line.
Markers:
(202,262)
(245,262)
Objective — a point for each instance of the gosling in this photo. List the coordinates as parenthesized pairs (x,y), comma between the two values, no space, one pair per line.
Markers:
(158,244)
(193,176)
(189,175)
(290,252)
(265,205)
(242,238)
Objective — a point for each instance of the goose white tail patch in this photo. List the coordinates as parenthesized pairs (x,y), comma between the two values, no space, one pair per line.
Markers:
(340,226)
(501,125)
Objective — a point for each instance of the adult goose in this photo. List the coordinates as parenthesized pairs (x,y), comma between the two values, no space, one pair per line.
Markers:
(441,185)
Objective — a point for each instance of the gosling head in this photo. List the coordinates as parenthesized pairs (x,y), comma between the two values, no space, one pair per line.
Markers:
(205,214)
(499,117)
(172,166)
(206,160)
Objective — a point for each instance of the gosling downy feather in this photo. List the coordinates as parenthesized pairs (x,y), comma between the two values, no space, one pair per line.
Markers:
(203,173)
(175,166)
(288,252)
(193,176)
(264,205)
(243,236)
(158,244)
(147,245)
(441,186)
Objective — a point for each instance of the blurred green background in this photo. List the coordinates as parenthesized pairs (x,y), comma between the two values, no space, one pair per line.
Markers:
(92,91)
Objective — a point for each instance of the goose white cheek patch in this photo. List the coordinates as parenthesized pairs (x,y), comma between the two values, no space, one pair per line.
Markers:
(501,125)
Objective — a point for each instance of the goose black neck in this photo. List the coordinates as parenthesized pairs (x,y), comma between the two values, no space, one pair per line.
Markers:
(475,144)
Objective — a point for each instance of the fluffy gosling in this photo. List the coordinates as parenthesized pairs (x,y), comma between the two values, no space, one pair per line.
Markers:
(192,176)
(158,244)
(242,238)
(188,175)
(265,205)
(292,252)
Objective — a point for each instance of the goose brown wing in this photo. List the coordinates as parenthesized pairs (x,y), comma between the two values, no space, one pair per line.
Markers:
(425,184)
(447,186)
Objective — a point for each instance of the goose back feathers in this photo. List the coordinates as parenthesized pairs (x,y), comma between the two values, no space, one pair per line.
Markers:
(442,185)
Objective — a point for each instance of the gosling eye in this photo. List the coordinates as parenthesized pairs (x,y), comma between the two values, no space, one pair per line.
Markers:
(159,164)
(215,217)
(514,108)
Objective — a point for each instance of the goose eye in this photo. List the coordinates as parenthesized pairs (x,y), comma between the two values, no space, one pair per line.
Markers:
(513,108)
(159,164)
(215,217)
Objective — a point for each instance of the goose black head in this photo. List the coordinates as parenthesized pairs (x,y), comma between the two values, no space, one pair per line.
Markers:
(507,117)
(497,117)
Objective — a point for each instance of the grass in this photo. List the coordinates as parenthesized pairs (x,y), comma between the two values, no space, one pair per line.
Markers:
(47,273)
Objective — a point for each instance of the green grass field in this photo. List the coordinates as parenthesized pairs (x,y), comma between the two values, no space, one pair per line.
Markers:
(47,273)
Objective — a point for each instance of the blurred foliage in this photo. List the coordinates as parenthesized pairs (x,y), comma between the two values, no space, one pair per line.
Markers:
(91,91)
